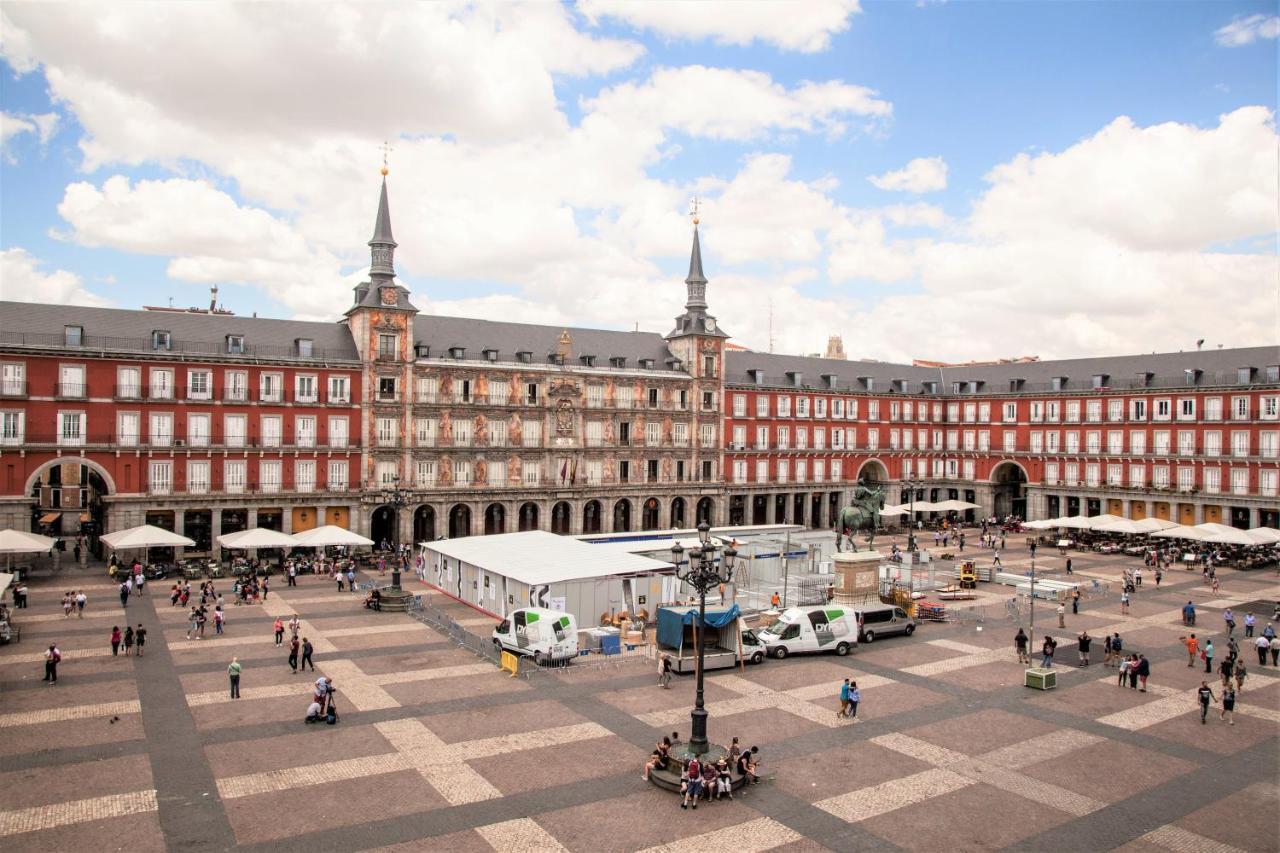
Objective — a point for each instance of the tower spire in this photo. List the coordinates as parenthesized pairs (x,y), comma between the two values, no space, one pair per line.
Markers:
(383,246)
(696,281)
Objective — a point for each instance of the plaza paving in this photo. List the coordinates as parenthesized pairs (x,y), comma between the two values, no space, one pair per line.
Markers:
(438,750)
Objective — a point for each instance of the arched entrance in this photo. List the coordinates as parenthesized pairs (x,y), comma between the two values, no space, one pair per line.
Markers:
(760,509)
(1009,488)
(560,515)
(622,516)
(738,510)
(528,516)
(424,524)
(495,519)
(382,526)
(459,521)
(703,511)
(873,471)
(68,499)
(649,515)
(677,513)
(591,517)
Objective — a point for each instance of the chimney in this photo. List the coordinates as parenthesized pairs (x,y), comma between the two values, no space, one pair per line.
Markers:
(213,298)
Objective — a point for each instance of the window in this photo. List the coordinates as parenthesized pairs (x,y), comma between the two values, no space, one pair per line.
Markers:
(1212,479)
(1239,481)
(1093,442)
(198,430)
(740,471)
(707,435)
(762,406)
(595,396)
(802,438)
(653,434)
(837,439)
(1186,479)
(873,410)
(236,388)
(271,387)
(1115,410)
(529,472)
(802,470)
(462,472)
(819,439)
(1093,411)
(1051,441)
(802,407)
(386,473)
(387,347)
(233,475)
(1051,412)
(784,437)
(783,406)
(1213,443)
(1244,375)
(497,474)
(386,389)
(1115,475)
(1268,442)
(161,434)
(337,475)
(851,410)
(836,467)
(739,405)
(1160,443)
(1073,441)
(1115,442)
(783,472)
(499,391)
(820,407)
(73,336)
(1037,412)
(1009,413)
(271,430)
(708,401)
(1073,411)
(269,475)
(235,344)
(339,389)
(13,381)
(531,393)
(462,431)
(1240,408)
(305,389)
(71,380)
(424,431)
(305,347)
(337,432)
(1160,476)
(127,429)
(428,389)
(304,431)
(462,391)
(1239,444)
(1051,473)
(160,340)
(1186,443)
(709,365)
(12,429)
(739,438)
(1138,476)
(199,385)
(1213,408)
(198,476)
(160,481)
(873,439)
(1037,442)
(1010,441)
(1267,481)
(1269,408)
(970,440)
(304,475)
(532,434)
(387,432)
(1138,409)
(233,427)
(424,473)
(1138,442)
(595,433)
(680,435)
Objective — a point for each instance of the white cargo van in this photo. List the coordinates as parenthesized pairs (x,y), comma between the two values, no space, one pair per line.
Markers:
(883,620)
(823,628)
(546,635)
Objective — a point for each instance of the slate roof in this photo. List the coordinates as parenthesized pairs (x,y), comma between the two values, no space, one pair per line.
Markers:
(442,333)
(32,324)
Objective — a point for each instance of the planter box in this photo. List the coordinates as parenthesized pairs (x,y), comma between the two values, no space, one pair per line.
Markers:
(1041,679)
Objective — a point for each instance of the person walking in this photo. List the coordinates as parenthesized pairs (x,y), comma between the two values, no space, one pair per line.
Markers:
(1075,601)
(1189,615)
(351,578)
(81,601)
(1229,618)
(855,696)
(128,640)
(1124,603)
(1249,622)
(293,575)
(995,559)
(1069,567)
(1062,615)
(844,701)
(306,655)
(664,671)
(1262,644)
(1228,711)
(1083,642)
(1020,645)
(52,656)
(1204,695)
(218,619)
(1046,652)
(1226,669)
(140,636)
(1241,674)
(233,673)
(1207,656)
(124,594)
(116,637)
(293,656)
(1143,670)
(279,629)
(1193,646)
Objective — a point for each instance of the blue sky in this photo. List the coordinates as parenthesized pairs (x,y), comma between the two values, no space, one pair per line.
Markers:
(277,210)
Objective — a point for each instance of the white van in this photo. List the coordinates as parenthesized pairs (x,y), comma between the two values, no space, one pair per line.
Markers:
(883,620)
(823,628)
(545,635)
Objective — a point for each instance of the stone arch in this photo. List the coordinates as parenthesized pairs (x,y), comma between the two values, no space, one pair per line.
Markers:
(561,518)
(622,516)
(874,470)
(62,460)
(705,511)
(528,518)
(495,519)
(650,514)
(1002,469)
(424,524)
(459,521)
(591,517)
(677,513)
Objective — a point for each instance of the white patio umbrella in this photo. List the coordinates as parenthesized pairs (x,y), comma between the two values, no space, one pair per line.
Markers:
(1182,531)
(1074,522)
(1095,521)
(1230,536)
(1217,529)
(16,542)
(954,506)
(1120,525)
(146,536)
(1042,524)
(1151,525)
(257,537)
(329,534)
(924,506)
(1263,535)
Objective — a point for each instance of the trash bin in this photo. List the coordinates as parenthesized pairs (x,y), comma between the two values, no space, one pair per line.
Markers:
(611,644)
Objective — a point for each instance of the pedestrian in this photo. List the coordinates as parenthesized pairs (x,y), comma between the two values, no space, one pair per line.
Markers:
(1123,674)
(1275,651)
(1193,646)
(1241,673)
(1229,618)
(264,588)
(1069,567)
(693,784)
(844,701)
(1082,643)
(128,640)
(995,559)
(1106,650)
(140,636)
(1226,669)
(293,655)
(1075,601)
(218,618)
(52,656)
(116,637)
(294,626)
(1137,576)
(1228,711)
(1204,695)
(1189,615)
(855,696)
(1159,576)
(279,629)
(1020,645)
(1062,615)
(306,654)
(1133,672)
(339,577)
(233,673)
(139,580)
(1207,656)
(351,578)
(1124,602)
(124,594)
(81,601)
(1249,622)
(293,575)
(1046,652)
(1144,670)
(664,671)
(1263,645)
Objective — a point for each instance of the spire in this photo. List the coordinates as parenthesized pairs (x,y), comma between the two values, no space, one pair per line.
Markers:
(696,281)
(383,245)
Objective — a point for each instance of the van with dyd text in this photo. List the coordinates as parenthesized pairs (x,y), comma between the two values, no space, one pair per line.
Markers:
(822,628)
(544,635)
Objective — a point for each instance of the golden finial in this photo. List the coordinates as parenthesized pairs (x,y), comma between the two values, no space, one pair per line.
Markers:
(386,149)
(693,209)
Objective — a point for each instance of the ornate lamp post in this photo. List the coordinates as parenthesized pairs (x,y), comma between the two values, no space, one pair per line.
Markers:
(398,498)
(911,518)
(708,566)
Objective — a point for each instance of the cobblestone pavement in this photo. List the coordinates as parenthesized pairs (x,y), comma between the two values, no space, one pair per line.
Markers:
(438,750)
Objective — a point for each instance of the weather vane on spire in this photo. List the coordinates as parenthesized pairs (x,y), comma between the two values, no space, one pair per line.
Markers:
(386,150)
(693,208)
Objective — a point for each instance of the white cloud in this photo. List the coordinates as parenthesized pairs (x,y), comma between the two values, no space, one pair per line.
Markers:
(806,27)
(1244,31)
(43,126)
(22,280)
(921,175)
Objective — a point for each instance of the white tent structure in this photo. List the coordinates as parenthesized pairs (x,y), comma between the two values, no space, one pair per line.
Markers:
(953,506)
(16,542)
(1096,521)
(1263,535)
(1182,531)
(329,534)
(890,511)
(1042,524)
(1120,525)
(1151,525)
(1075,522)
(257,537)
(146,536)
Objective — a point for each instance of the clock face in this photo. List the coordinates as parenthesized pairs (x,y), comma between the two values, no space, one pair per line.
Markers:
(388,296)
(711,324)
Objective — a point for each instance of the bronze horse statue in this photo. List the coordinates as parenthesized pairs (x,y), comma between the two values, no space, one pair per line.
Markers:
(862,513)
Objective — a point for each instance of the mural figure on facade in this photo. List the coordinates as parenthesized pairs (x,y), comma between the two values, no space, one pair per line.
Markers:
(862,513)
(481,472)
(446,429)
(516,430)
(482,431)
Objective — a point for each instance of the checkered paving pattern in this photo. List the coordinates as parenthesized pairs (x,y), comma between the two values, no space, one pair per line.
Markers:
(438,750)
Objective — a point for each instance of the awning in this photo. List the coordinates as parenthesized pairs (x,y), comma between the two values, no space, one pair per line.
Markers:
(50,517)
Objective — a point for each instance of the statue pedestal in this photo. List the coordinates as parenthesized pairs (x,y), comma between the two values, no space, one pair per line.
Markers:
(859,572)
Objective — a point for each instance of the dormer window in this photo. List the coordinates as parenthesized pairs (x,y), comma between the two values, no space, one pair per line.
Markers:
(1016,384)
(646,363)
(1244,375)
(830,379)
(1273,373)
(305,347)
(555,358)
(795,376)
(757,375)
(235,344)
(1059,382)
(1191,376)
(421,350)
(618,361)
(524,357)
(929,387)
(1143,379)
(457,352)
(160,340)
(955,387)
(587,360)
(73,336)
(868,383)
(902,385)
(974,386)
(1100,380)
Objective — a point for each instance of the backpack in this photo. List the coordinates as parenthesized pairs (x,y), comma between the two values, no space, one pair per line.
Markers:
(1115,644)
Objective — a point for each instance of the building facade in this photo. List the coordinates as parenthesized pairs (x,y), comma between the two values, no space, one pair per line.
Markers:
(406,426)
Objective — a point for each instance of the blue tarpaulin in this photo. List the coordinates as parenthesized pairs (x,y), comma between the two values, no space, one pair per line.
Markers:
(671,622)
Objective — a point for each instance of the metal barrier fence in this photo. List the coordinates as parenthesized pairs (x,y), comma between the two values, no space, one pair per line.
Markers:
(434,617)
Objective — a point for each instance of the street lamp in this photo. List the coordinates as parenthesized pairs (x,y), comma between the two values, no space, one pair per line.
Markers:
(706,568)
(398,498)
(911,516)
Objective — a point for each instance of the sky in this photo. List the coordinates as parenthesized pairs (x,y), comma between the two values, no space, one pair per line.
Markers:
(942,180)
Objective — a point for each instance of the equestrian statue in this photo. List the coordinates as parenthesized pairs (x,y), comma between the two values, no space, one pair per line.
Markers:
(862,513)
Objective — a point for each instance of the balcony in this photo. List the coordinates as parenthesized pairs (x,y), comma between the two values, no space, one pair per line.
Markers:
(71,390)
(13,388)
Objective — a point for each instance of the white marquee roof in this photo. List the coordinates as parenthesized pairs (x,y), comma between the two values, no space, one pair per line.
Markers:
(538,557)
